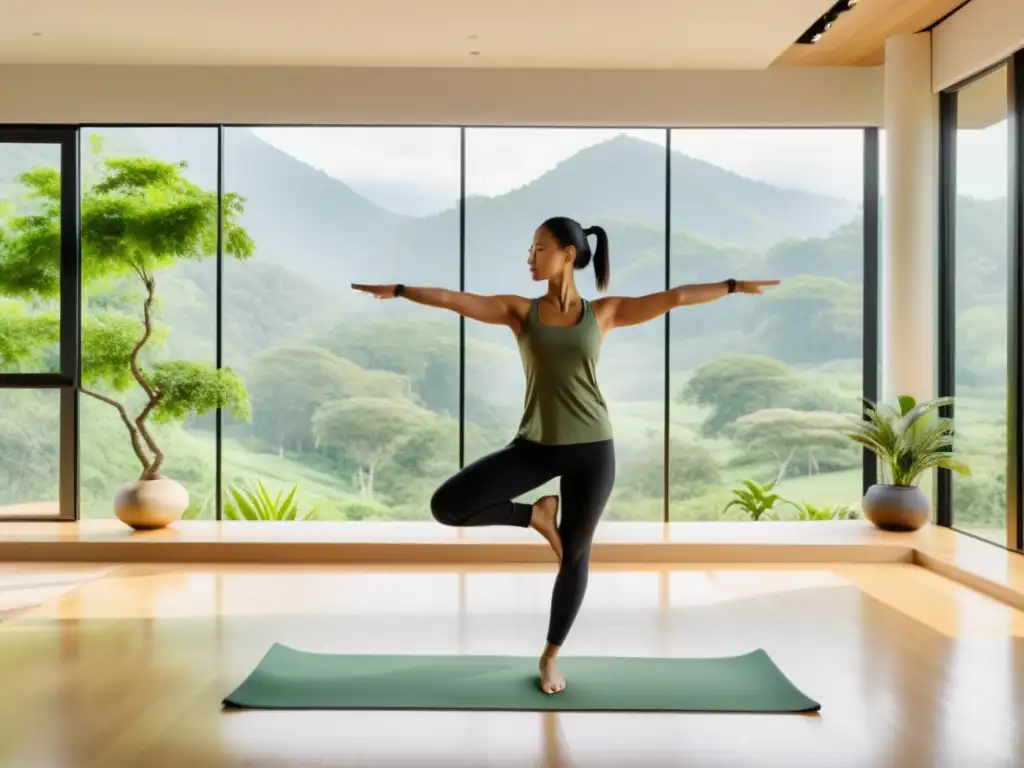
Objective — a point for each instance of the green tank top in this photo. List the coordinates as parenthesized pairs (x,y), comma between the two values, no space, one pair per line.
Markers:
(564,405)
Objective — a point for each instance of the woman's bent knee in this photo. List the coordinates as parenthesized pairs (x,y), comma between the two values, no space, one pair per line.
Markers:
(444,506)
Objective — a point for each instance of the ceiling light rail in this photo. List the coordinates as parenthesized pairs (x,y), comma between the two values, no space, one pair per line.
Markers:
(825,22)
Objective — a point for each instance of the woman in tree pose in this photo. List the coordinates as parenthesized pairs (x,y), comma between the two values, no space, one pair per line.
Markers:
(565,429)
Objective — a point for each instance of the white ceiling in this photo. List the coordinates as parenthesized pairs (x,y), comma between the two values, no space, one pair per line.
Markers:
(605,34)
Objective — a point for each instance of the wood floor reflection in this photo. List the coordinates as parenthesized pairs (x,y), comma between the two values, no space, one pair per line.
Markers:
(130,667)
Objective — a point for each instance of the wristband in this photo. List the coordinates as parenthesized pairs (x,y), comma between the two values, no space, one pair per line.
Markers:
(731,284)
(399,290)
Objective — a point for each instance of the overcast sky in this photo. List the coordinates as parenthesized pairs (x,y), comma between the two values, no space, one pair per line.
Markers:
(424,161)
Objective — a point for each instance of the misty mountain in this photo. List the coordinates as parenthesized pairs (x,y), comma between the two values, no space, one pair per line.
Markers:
(401,198)
(299,216)
(625,178)
(304,219)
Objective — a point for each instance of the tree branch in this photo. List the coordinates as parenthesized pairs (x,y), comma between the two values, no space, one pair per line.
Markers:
(153,472)
(140,272)
(136,443)
(148,320)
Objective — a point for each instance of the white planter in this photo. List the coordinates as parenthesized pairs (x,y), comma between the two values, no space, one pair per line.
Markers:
(149,504)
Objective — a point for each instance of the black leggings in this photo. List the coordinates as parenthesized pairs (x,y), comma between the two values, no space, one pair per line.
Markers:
(482,493)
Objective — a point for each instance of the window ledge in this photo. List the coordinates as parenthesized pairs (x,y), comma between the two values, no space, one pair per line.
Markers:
(977,564)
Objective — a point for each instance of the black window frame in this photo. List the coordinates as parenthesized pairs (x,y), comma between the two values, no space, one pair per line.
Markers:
(67,379)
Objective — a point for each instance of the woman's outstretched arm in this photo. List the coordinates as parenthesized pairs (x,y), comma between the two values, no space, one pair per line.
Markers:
(623,311)
(496,310)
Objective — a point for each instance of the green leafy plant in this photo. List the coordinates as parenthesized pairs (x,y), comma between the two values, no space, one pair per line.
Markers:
(756,500)
(139,216)
(909,439)
(244,503)
(807,511)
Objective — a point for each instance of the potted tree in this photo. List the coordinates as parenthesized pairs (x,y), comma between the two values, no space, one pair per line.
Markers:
(138,216)
(908,441)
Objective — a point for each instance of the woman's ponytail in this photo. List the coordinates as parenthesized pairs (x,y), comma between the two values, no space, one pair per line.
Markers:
(568,232)
(602,265)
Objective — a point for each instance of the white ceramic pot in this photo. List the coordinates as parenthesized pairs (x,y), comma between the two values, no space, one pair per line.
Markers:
(149,504)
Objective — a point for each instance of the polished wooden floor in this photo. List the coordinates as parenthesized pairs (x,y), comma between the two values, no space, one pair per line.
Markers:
(127,666)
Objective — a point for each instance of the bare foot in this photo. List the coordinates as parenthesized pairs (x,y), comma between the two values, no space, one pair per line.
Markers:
(544,519)
(551,680)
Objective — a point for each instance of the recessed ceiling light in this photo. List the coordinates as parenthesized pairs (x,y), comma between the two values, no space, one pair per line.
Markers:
(473,37)
(37,34)
(474,53)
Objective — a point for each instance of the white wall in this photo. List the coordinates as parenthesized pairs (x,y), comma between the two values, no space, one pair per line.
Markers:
(289,95)
(977,36)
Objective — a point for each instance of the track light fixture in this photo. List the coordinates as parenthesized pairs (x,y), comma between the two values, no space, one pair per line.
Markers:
(823,24)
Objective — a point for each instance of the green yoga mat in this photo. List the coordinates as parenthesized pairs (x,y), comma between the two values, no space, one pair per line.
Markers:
(291,679)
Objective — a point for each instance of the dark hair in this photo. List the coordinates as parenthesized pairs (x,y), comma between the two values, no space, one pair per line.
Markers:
(568,232)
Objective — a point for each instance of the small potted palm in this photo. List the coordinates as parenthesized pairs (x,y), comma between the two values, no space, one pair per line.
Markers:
(908,441)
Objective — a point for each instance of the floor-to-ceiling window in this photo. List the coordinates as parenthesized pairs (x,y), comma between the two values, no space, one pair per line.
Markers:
(981,301)
(980,264)
(149,201)
(762,388)
(38,332)
(354,402)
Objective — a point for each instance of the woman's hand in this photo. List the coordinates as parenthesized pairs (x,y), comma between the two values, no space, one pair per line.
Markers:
(377,291)
(754,286)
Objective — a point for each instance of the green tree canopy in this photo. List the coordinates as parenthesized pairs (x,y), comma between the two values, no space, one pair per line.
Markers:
(692,471)
(981,346)
(26,337)
(981,501)
(369,429)
(732,386)
(289,384)
(805,442)
(809,319)
(840,255)
(426,350)
(421,463)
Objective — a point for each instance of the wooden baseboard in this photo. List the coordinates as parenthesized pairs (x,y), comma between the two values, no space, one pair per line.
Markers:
(454,553)
(429,543)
